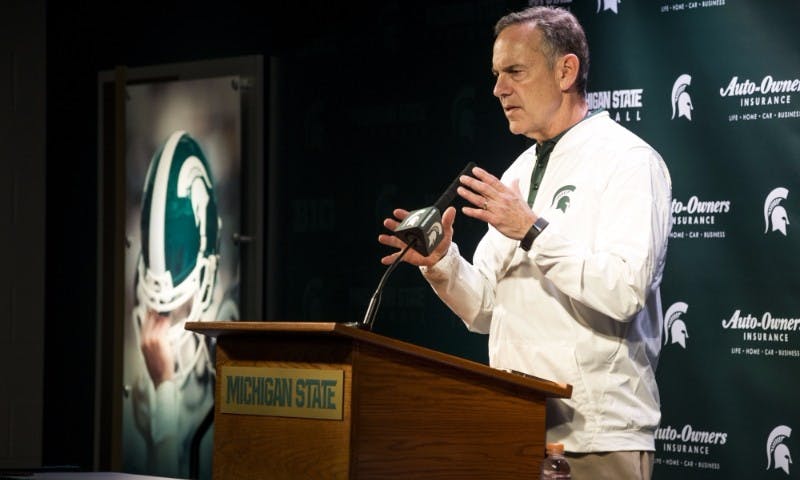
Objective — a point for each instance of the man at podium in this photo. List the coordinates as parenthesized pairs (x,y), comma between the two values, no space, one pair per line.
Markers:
(566,279)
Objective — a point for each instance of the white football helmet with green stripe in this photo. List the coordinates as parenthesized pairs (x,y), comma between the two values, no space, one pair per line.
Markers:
(180,238)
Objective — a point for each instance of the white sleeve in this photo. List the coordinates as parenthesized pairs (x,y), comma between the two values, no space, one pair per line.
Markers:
(469,290)
(616,271)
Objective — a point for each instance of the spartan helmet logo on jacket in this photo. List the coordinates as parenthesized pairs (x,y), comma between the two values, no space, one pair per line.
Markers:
(180,227)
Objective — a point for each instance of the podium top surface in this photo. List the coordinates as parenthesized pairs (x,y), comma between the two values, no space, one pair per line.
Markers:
(216,329)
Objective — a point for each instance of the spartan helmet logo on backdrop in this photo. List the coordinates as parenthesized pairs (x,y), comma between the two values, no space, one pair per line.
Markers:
(681,101)
(674,327)
(774,213)
(778,455)
(603,5)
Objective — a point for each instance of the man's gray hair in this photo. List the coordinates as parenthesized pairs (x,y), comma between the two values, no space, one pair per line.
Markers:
(561,34)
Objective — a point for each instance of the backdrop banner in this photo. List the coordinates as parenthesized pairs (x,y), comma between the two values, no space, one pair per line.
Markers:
(713,85)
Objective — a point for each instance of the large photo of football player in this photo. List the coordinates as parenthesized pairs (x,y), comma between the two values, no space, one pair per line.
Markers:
(183,166)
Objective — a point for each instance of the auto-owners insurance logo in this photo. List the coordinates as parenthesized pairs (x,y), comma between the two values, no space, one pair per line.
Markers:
(689,446)
(767,98)
(698,217)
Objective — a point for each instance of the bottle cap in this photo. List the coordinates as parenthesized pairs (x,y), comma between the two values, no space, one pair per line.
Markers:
(557,448)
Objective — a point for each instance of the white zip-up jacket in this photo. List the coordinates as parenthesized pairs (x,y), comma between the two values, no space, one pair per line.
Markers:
(583,305)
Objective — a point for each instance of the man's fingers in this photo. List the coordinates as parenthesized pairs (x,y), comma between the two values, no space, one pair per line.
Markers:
(484,184)
(477,214)
(389,259)
(390,223)
(390,241)
(488,179)
(400,213)
(449,217)
(485,176)
(472,197)
(475,185)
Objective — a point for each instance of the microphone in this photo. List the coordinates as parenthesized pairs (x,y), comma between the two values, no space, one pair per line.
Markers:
(422,229)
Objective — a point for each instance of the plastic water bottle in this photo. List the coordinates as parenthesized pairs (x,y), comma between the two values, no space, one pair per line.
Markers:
(554,465)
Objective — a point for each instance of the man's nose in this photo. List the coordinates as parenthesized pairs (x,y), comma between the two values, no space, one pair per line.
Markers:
(500,87)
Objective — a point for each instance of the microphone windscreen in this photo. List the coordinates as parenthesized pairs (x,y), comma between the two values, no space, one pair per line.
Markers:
(447,197)
(422,229)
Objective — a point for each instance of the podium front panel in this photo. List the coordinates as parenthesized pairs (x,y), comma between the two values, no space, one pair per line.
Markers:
(277,447)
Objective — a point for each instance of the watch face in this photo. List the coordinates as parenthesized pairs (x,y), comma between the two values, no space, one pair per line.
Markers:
(534,232)
(527,240)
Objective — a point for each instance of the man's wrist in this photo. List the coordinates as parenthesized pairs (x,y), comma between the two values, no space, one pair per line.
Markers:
(444,263)
(538,227)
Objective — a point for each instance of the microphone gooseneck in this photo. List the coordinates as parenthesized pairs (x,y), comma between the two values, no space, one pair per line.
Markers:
(375,300)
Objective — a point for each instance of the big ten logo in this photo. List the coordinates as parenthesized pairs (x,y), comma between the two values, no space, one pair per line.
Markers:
(313,215)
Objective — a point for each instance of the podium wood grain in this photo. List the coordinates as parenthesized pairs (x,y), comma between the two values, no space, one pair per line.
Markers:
(409,412)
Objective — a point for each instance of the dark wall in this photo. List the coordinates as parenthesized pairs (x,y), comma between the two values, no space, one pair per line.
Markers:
(22,230)
(378,105)
(370,117)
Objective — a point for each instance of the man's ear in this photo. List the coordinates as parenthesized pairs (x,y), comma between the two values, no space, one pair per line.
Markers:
(567,71)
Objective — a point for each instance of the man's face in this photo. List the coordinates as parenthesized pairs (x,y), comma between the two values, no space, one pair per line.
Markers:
(528,89)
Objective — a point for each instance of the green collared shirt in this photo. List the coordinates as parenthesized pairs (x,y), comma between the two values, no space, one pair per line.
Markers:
(543,151)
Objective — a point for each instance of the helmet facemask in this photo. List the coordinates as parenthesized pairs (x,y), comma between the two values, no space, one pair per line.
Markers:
(178,265)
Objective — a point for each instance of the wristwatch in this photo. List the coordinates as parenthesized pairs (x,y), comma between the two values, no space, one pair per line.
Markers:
(538,227)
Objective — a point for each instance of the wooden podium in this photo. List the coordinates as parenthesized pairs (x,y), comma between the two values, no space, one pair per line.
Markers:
(404,411)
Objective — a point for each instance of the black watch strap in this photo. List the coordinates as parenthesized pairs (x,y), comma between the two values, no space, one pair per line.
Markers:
(538,226)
